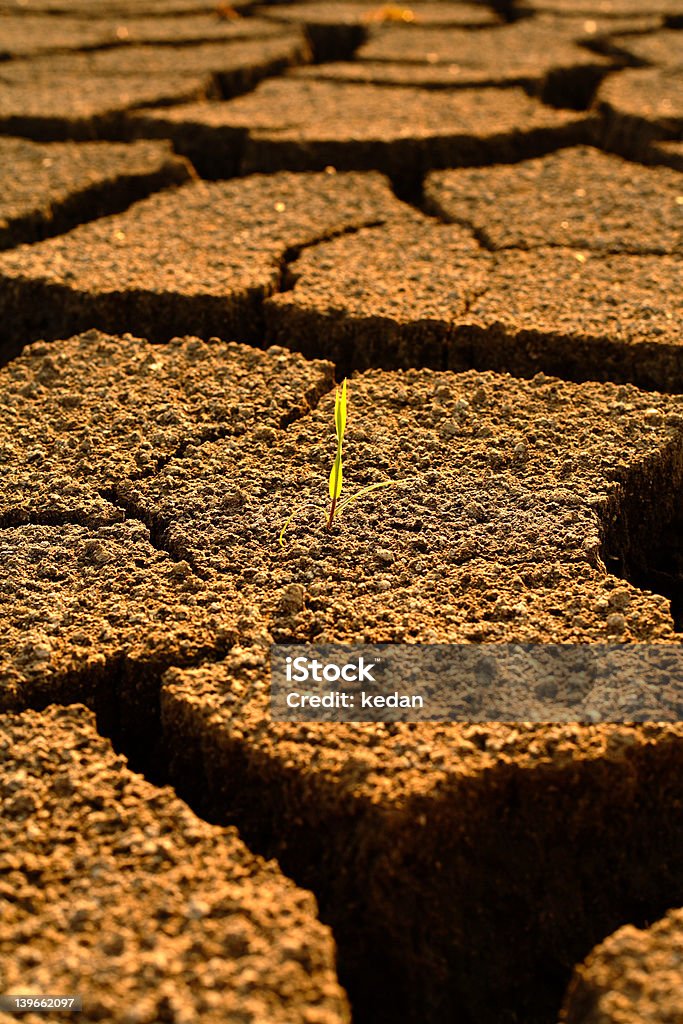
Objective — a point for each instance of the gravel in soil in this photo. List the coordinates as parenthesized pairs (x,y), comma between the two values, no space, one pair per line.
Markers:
(578,197)
(634,975)
(205,255)
(114,889)
(640,106)
(48,189)
(41,97)
(80,416)
(402,133)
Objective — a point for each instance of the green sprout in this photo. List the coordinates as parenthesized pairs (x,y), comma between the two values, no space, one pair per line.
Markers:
(336,473)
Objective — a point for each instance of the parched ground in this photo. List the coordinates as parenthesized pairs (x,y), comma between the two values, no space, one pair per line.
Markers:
(210,213)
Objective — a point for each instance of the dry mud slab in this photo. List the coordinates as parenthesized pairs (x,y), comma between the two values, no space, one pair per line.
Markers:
(574,314)
(112,888)
(423,293)
(114,8)
(530,477)
(579,197)
(205,255)
(532,53)
(664,49)
(337,28)
(441,14)
(634,975)
(393,296)
(561,817)
(502,539)
(80,416)
(87,95)
(402,133)
(57,98)
(96,615)
(28,35)
(93,609)
(48,189)
(553,38)
(640,106)
(603,8)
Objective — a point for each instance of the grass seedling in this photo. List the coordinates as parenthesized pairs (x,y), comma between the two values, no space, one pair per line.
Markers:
(336,474)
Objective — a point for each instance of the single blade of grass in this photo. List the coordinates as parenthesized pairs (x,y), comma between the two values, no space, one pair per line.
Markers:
(305,504)
(340,412)
(336,477)
(365,490)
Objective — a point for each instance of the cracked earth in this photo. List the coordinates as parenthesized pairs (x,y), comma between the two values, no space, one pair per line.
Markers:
(209,215)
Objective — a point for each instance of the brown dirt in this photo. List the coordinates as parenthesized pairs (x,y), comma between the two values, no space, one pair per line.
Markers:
(82,415)
(427,816)
(95,615)
(670,154)
(538,481)
(114,8)
(57,98)
(387,296)
(87,95)
(557,65)
(442,14)
(538,54)
(114,890)
(632,976)
(641,106)
(56,186)
(370,299)
(465,868)
(486,546)
(27,35)
(336,29)
(663,49)
(368,127)
(206,255)
(603,8)
(591,325)
(577,197)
